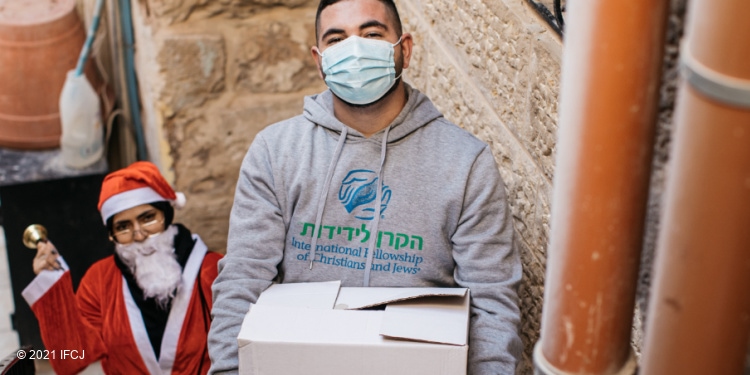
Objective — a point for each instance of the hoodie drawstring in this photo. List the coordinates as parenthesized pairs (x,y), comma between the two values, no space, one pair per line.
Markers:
(378,203)
(322,199)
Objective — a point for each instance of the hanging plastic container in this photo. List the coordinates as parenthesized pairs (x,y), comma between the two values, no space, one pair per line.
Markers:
(82,132)
(39,43)
(82,140)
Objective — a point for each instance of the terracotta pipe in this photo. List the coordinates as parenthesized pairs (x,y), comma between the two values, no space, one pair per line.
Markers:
(610,82)
(698,320)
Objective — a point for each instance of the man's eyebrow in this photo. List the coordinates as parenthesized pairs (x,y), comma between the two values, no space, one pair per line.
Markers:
(373,23)
(368,24)
(331,31)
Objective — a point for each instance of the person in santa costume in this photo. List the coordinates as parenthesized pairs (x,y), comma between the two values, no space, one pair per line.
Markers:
(145,309)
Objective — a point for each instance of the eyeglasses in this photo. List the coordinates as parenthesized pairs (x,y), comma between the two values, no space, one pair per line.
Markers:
(149,223)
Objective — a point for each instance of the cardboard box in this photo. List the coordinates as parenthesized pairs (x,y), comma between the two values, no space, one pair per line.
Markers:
(320,328)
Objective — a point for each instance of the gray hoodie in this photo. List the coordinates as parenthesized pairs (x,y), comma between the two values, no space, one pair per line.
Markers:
(429,200)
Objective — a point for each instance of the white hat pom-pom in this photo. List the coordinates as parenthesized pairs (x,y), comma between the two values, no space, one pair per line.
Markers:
(180,201)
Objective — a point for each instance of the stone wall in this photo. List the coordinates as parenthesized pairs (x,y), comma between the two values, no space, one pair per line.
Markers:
(492,68)
(212,74)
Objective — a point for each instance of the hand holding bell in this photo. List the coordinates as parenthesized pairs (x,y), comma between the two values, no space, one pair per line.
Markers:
(35,237)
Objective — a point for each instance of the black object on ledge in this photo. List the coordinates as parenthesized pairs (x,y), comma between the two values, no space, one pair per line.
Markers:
(551,12)
(26,166)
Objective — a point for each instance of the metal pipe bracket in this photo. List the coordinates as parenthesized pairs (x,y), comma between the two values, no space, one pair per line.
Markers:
(716,85)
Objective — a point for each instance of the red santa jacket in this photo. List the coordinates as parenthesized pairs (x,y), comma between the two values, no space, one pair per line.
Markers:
(102,321)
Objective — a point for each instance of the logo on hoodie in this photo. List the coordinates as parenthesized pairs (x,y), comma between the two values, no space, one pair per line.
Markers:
(359,190)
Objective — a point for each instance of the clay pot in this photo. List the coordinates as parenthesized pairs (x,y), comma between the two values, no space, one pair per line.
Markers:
(39,42)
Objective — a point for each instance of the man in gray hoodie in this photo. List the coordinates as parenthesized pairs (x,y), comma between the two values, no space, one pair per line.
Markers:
(371,164)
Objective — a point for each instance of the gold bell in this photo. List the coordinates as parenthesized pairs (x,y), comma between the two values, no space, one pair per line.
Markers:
(33,234)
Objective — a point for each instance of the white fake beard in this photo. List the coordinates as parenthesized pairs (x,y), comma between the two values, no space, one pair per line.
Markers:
(154,265)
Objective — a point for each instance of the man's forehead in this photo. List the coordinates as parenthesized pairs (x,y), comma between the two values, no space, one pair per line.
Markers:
(354,13)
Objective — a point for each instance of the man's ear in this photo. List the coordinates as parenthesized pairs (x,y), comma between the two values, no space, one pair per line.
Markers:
(317,58)
(407,43)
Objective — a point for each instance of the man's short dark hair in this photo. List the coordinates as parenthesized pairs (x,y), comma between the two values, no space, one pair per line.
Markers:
(390,6)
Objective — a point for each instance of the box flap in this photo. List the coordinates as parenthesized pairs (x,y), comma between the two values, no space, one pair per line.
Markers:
(312,326)
(442,320)
(360,298)
(321,295)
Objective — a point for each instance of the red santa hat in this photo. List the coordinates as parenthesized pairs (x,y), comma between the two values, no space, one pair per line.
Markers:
(140,183)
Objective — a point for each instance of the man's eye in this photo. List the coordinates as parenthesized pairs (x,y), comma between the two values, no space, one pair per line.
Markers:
(334,40)
(373,35)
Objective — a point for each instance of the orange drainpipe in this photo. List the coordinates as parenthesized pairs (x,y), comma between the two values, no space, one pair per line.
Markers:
(610,84)
(698,320)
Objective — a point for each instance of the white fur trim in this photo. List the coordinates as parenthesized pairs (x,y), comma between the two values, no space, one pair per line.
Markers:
(138,328)
(176,320)
(129,199)
(180,306)
(180,201)
(40,285)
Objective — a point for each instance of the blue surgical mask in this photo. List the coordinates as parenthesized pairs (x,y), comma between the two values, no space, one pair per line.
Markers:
(359,70)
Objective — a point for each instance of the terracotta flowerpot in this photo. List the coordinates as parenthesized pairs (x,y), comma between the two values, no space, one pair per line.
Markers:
(39,42)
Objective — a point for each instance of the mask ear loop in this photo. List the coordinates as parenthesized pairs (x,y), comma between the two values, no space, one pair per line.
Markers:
(394,45)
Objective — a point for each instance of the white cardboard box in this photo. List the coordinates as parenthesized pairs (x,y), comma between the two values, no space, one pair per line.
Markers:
(317,328)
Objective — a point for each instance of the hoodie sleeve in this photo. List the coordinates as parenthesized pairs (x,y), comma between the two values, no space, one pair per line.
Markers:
(254,249)
(488,264)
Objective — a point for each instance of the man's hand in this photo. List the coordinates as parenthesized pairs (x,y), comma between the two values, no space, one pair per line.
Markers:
(46,257)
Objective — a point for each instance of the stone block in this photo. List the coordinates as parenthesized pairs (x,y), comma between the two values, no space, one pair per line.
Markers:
(208,154)
(193,70)
(282,3)
(543,98)
(273,54)
(176,11)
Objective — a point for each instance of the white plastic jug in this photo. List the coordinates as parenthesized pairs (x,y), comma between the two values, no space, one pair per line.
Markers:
(82,140)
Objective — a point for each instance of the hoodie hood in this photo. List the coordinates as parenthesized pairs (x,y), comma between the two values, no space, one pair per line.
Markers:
(417,112)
